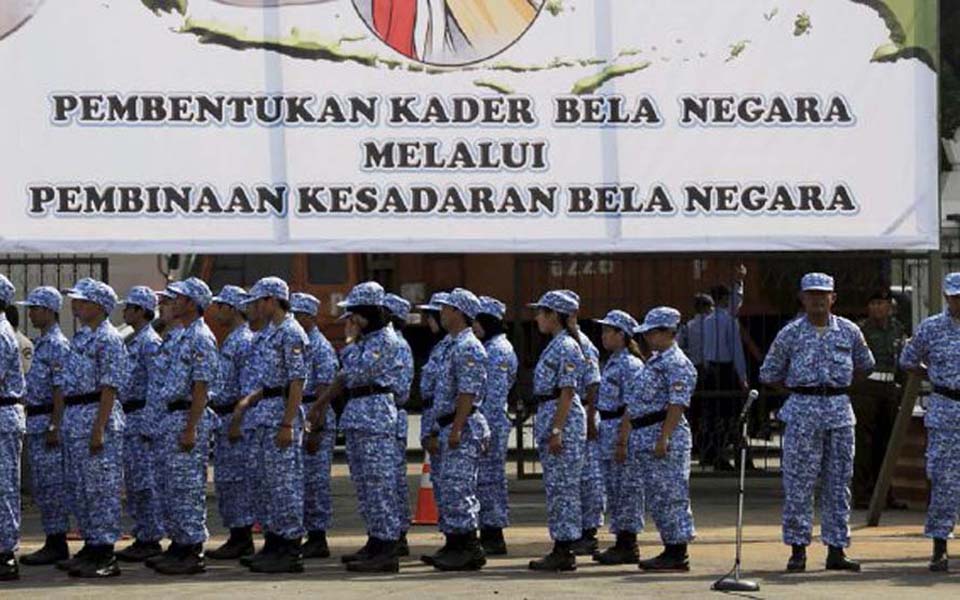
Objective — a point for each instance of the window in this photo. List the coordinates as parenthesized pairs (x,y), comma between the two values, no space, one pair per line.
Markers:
(327,269)
(246,269)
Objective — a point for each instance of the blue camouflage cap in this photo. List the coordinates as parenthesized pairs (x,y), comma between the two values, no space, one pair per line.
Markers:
(951,284)
(368,293)
(231,295)
(463,300)
(435,302)
(493,307)
(573,296)
(44,297)
(620,320)
(194,288)
(79,285)
(559,301)
(664,317)
(816,282)
(397,306)
(7,290)
(268,287)
(143,297)
(304,303)
(97,292)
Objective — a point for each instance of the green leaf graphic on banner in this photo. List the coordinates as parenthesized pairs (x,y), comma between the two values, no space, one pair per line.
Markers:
(913,30)
(588,85)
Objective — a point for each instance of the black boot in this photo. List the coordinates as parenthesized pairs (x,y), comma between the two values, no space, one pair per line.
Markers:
(54,550)
(673,558)
(271,543)
(189,561)
(171,554)
(798,559)
(316,546)
(69,563)
(139,551)
(239,544)
(561,558)
(624,552)
(431,559)
(587,545)
(286,559)
(383,558)
(491,538)
(100,562)
(837,560)
(9,570)
(403,547)
(365,552)
(939,560)
(465,554)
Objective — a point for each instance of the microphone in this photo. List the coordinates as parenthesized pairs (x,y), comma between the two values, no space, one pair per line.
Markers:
(751,398)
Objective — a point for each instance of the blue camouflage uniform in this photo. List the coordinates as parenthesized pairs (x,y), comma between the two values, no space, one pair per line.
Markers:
(667,379)
(279,359)
(232,460)
(463,372)
(50,351)
(621,375)
(12,427)
(560,366)
(183,476)
(143,497)
(400,308)
(501,376)
(428,385)
(936,346)
(322,367)
(370,366)
(97,360)
(819,439)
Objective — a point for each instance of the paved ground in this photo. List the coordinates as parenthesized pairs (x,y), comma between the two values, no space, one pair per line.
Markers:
(894,557)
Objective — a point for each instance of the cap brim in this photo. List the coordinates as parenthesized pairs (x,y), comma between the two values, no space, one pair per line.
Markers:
(432,307)
(79,296)
(344,316)
(818,288)
(951,292)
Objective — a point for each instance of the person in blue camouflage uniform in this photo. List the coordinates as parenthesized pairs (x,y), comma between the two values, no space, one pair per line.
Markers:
(12,428)
(815,357)
(933,353)
(620,375)
(560,427)
(92,428)
(655,442)
(501,377)
(279,360)
(398,310)
(44,406)
(143,497)
(318,446)
(462,432)
(370,366)
(232,473)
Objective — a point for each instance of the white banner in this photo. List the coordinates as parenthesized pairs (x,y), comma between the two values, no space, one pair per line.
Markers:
(467,125)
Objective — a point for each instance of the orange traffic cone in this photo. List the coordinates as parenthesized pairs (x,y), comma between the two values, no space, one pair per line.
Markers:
(426,503)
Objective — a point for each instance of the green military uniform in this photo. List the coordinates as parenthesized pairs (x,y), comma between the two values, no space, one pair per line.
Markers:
(876,402)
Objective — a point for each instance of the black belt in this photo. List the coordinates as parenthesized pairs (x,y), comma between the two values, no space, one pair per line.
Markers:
(179,405)
(276,392)
(820,390)
(133,406)
(947,392)
(448,419)
(42,409)
(609,415)
(91,398)
(366,390)
(649,419)
(223,409)
(10,401)
(541,398)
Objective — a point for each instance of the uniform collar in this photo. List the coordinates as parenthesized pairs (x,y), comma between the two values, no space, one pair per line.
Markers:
(833,323)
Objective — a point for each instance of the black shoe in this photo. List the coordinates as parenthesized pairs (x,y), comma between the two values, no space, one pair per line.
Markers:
(939,562)
(287,558)
(316,546)
(238,545)
(798,559)
(382,559)
(70,563)
(465,554)
(837,560)
(587,545)
(624,552)
(430,559)
(54,550)
(561,558)
(188,561)
(271,543)
(139,551)
(363,553)
(99,563)
(491,538)
(403,547)
(673,558)
(9,570)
